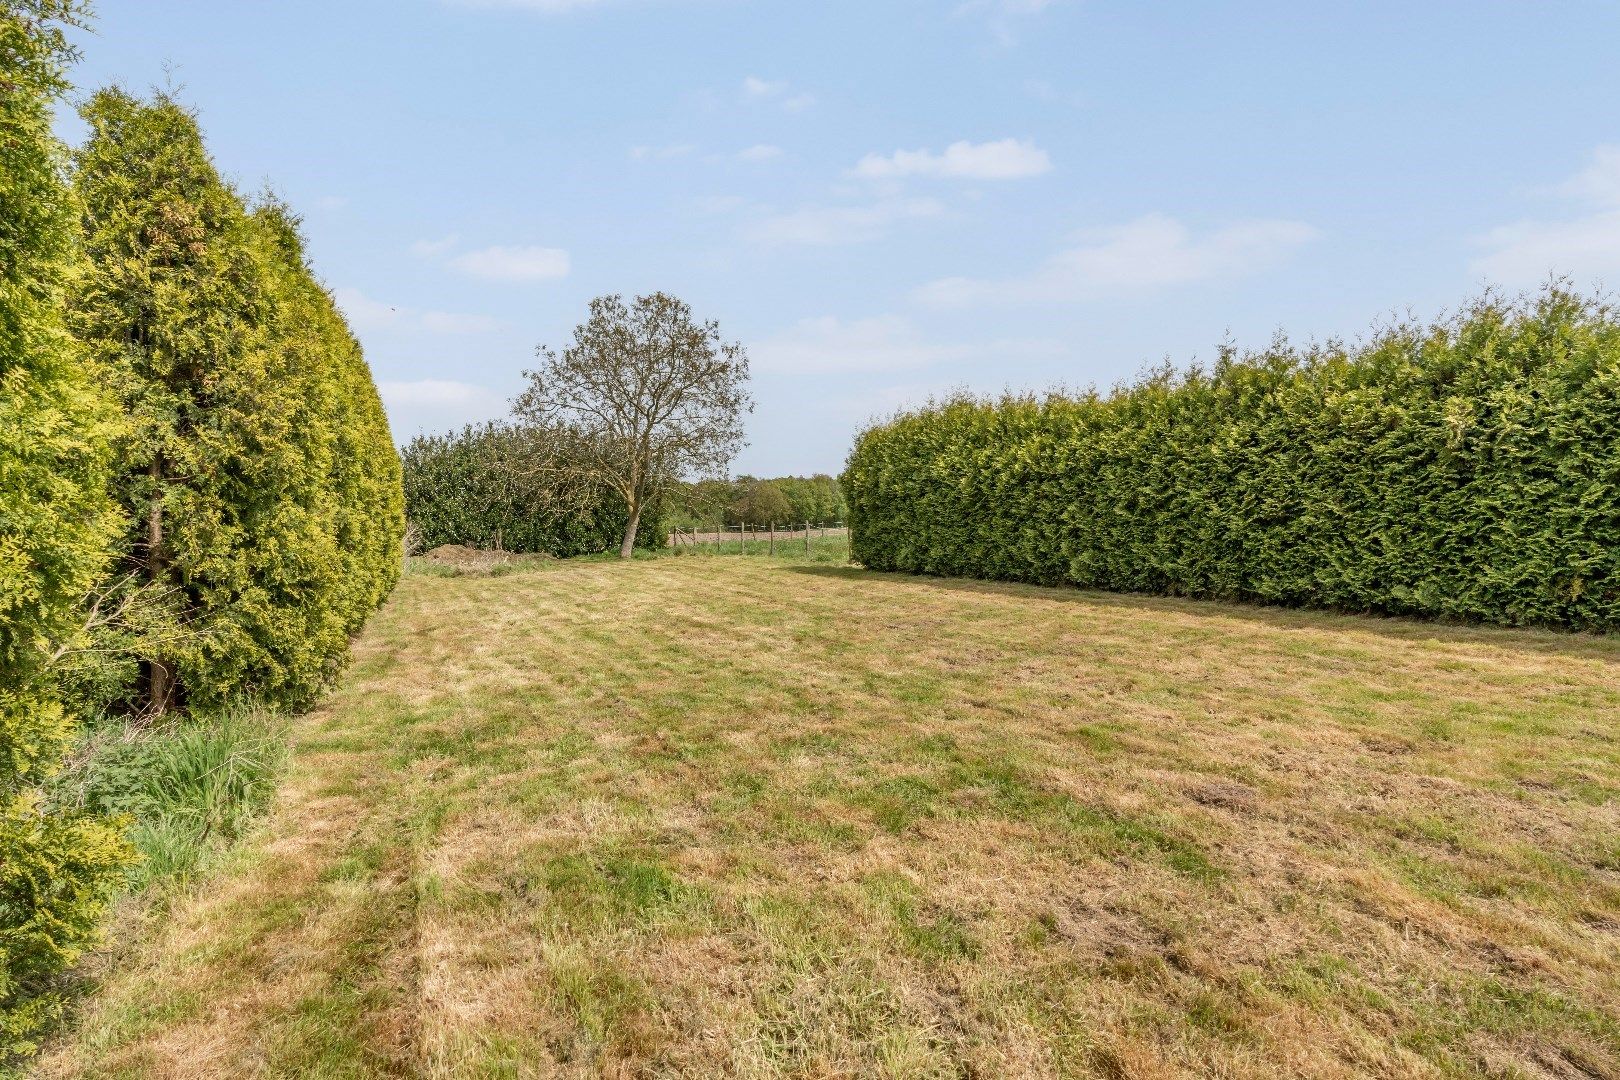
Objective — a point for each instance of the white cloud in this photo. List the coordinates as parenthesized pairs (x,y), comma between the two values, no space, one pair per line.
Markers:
(830,225)
(437,405)
(1150,252)
(799,102)
(436,392)
(760,152)
(514,264)
(1006,159)
(366,314)
(426,249)
(1599,182)
(829,345)
(754,86)
(1582,245)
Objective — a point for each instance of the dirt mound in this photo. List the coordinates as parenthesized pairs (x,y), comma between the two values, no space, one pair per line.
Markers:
(461,555)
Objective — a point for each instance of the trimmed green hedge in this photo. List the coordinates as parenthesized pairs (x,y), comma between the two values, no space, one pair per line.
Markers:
(472,487)
(260,483)
(57,867)
(1468,469)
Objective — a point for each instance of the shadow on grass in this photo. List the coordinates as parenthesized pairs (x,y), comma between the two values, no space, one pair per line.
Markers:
(1586,646)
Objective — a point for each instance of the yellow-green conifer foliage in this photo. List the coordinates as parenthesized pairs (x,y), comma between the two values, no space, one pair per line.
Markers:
(56,522)
(1468,469)
(261,484)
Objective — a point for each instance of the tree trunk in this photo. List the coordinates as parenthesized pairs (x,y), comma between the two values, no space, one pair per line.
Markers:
(158,684)
(629,545)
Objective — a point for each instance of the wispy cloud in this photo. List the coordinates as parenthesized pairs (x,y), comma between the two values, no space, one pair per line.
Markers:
(1004,16)
(366,314)
(760,152)
(660,153)
(882,343)
(778,91)
(436,392)
(1585,243)
(514,264)
(437,405)
(754,86)
(1151,252)
(427,249)
(1005,159)
(828,345)
(833,225)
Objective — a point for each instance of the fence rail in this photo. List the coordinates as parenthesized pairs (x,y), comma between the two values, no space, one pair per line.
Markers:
(765,535)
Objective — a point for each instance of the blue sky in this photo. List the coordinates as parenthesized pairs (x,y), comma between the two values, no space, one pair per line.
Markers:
(891,198)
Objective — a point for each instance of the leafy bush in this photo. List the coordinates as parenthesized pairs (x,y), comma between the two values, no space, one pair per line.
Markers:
(703,504)
(760,503)
(1468,469)
(478,487)
(56,869)
(189,788)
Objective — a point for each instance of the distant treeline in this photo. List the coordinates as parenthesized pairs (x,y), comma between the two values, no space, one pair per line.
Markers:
(750,500)
(506,484)
(493,485)
(1467,469)
(199,498)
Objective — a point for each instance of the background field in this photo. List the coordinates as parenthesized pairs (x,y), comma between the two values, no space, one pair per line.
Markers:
(712,815)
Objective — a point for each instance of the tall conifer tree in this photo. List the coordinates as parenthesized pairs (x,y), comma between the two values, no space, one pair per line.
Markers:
(236,374)
(56,523)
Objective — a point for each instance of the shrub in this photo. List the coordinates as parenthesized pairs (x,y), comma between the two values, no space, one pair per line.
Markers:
(479,487)
(760,503)
(1468,469)
(189,788)
(56,869)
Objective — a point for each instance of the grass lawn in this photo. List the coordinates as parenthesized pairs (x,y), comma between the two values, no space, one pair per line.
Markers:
(709,815)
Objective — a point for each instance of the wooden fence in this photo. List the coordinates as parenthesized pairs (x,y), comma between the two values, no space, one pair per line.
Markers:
(765,535)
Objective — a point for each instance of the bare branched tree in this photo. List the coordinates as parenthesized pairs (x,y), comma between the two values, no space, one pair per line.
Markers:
(643,397)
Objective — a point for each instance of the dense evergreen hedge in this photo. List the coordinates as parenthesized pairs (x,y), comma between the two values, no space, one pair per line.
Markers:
(259,479)
(1468,469)
(56,522)
(474,487)
(200,500)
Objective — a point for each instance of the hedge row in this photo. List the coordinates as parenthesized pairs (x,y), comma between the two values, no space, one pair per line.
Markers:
(260,485)
(1468,469)
(199,497)
(56,525)
(475,487)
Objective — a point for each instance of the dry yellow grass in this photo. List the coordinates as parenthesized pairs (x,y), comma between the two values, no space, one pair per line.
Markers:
(724,816)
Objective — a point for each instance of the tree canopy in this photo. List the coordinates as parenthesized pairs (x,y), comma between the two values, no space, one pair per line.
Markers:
(642,397)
